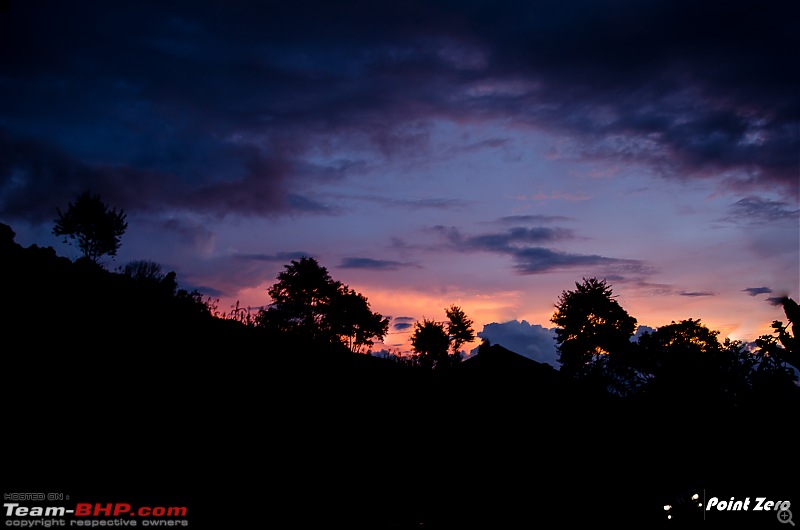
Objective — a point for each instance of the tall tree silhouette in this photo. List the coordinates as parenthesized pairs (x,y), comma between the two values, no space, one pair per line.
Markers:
(308,302)
(591,325)
(459,328)
(97,228)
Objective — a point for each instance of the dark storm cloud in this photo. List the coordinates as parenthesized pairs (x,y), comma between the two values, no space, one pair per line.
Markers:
(696,293)
(537,260)
(508,241)
(36,178)
(29,177)
(190,233)
(533,219)
(757,210)
(278,256)
(693,89)
(146,107)
(755,291)
(518,236)
(529,258)
(402,323)
(373,264)
(484,144)
(776,300)
(231,273)
(215,107)
(302,203)
(434,203)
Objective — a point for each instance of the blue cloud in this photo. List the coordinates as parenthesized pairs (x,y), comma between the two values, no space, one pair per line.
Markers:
(372,264)
(755,291)
(531,340)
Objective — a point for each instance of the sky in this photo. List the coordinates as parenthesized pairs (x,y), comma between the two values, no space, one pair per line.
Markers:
(487,154)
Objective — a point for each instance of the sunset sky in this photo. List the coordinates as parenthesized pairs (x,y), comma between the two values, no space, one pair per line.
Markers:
(487,154)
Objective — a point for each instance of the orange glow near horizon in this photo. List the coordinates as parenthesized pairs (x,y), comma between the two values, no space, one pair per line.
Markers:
(507,306)
(482,309)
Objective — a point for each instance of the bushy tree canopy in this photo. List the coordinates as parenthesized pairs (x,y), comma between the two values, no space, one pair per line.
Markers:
(352,321)
(307,301)
(590,325)
(430,343)
(431,340)
(97,228)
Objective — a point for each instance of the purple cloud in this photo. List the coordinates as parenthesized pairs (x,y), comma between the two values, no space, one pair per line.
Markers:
(755,291)
(757,210)
(372,264)
(283,257)
(402,324)
(218,110)
(519,243)
(532,219)
(537,260)
(507,241)
(693,294)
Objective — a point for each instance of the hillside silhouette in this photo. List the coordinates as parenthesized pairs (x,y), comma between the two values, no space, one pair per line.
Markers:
(128,380)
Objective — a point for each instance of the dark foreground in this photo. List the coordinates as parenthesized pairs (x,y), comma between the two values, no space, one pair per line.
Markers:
(344,444)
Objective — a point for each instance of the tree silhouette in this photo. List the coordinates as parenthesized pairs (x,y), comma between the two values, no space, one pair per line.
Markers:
(143,270)
(790,352)
(97,228)
(590,326)
(687,362)
(307,301)
(686,350)
(774,352)
(430,343)
(770,373)
(300,299)
(459,328)
(154,334)
(353,322)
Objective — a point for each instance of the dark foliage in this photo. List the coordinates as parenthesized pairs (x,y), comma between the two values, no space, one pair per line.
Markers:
(459,328)
(431,340)
(307,302)
(787,334)
(591,328)
(127,379)
(430,344)
(97,227)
